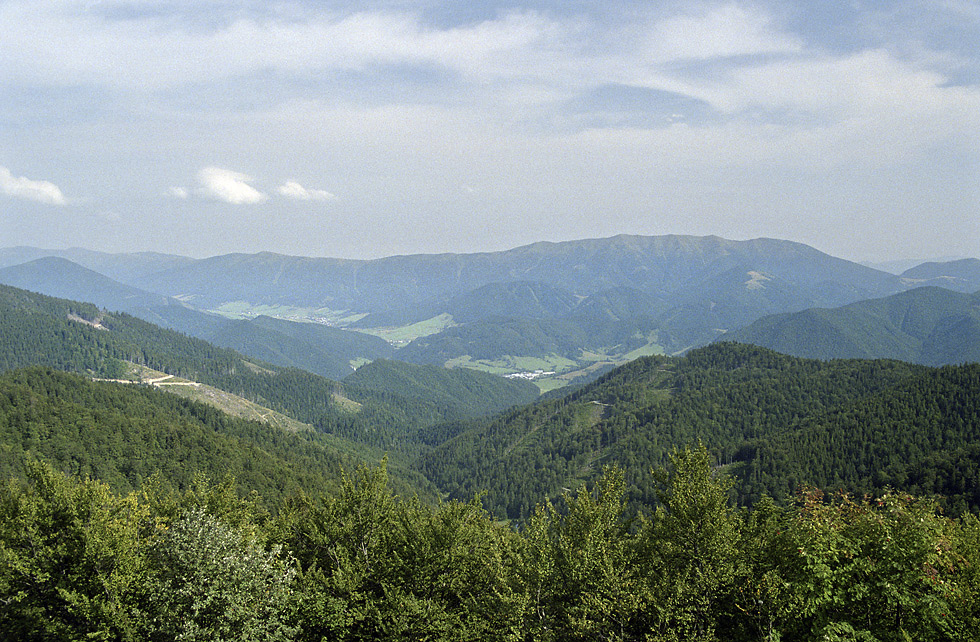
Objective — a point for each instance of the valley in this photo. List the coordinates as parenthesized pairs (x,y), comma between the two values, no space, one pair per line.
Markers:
(495,321)
(672,374)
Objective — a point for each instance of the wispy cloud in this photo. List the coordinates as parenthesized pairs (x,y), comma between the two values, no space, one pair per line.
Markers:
(32,190)
(722,31)
(228,186)
(292,189)
(66,45)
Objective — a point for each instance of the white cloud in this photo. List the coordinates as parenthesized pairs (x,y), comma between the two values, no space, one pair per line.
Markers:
(178,192)
(292,189)
(724,31)
(32,190)
(63,45)
(228,186)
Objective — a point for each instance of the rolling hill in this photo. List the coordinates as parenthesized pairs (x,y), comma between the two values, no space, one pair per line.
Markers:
(564,307)
(962,275)
(773,421)
(928,325)
(80,337)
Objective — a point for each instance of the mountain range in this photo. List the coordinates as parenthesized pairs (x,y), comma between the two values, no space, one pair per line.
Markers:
(457,431)
(567,308)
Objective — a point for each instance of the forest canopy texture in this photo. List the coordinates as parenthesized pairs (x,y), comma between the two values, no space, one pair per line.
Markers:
(78,561)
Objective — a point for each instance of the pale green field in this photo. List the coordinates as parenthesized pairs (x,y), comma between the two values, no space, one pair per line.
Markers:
(403,335)
(549,384)
(510,365)
(357,363)
(244,310)
(648,350)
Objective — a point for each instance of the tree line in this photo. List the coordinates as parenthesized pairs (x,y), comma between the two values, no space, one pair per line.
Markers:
(78,561)
(774,421)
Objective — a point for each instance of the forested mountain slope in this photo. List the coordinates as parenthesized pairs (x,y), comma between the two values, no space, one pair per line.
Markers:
(79,337)
(322,350)
(476,394)
(962,275)
(126,434)
(928,325)
(774,420)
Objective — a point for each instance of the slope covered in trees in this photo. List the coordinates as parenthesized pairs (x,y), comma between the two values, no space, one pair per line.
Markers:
(775,421)
(78,337)
(80,562)
(928,325)
(474,394)
(124,435)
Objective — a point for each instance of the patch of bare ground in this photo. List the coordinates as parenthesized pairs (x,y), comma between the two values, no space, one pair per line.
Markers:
(95,323)
(225,401)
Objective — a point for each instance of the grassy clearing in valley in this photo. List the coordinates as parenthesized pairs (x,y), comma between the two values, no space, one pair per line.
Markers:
(403,335)
(326,316)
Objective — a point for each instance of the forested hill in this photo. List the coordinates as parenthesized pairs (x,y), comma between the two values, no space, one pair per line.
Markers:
(125,435)
(928,325)
(774,421)
(475,393)
(78,337)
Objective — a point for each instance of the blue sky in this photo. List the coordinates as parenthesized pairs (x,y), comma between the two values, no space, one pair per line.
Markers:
(367,129)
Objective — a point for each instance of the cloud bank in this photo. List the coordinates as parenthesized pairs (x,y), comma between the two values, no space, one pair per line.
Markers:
(32,190)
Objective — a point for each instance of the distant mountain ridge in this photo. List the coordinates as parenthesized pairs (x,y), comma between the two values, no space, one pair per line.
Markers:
(566,304)
(702,285)
(123,267)
(657,265)
(59,277)
(929,325)
(962,275)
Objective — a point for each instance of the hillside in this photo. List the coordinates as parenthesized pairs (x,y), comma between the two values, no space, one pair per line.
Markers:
(750,406)
(928,325)
(317,348)
(64,279)
(565,307)
(475,394)
(79,337)
(320,349)
(124,435)
(962,275)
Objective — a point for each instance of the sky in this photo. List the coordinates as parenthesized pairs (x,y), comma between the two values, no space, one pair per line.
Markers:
(361,129)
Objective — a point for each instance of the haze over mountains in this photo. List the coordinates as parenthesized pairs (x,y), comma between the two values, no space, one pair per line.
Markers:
(566,308)
(928,325)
